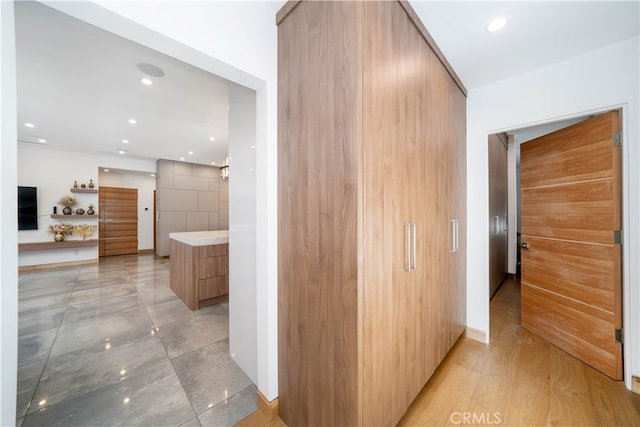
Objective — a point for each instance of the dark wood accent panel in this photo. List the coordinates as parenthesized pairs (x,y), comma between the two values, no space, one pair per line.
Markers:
(119,229)
(369,141)
(213,287)
(118,246)
(118,221)
(581,330)
(570,203)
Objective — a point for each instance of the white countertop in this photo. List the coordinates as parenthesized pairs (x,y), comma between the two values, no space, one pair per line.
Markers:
(202,238)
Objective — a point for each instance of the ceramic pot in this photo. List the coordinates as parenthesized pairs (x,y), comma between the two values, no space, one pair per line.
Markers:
(90,211)
(59,237)
(79,211)
(66,210)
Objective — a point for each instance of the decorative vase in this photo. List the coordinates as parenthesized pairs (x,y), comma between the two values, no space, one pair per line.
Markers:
(75,184)
(59,237)
(83,185)
(90,211)
(91,183)
(79,211)
(66,210)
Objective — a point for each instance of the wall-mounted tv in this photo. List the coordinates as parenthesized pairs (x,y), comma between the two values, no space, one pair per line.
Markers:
(27,208)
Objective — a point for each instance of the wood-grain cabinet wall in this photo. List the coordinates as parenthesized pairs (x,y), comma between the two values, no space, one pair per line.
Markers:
(371,182)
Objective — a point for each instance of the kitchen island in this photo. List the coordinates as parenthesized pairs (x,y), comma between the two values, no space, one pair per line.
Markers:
(199,267)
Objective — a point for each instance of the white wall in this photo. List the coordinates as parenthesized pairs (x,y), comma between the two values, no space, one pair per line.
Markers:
(8,218)
(243,332)
(53,172)
(146,184)
(237,41)
(603,79)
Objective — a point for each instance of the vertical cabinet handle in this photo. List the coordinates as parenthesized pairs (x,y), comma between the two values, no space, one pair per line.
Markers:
(453,226)
(506,223)
(407,264)
(496,228)
(413,266)
(410,259)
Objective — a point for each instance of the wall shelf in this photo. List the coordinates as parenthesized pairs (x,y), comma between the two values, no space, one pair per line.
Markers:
(58,216)
(40,246)
(84,190)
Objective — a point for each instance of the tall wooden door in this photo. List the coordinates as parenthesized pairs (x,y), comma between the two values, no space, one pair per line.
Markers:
(118,219)
(498,207)
(571,256)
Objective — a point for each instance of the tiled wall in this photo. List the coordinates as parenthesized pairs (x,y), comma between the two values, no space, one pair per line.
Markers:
(189,197)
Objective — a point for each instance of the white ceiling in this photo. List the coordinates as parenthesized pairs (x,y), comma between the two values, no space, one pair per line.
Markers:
(79,85)
(537,34)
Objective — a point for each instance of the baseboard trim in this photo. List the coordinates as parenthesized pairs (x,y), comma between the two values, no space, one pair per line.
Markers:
(635,385)
(56,265)
(269,409)
(476,335)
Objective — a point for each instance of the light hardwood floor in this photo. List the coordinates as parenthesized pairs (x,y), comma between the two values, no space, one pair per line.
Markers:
(519,380)
(516,380)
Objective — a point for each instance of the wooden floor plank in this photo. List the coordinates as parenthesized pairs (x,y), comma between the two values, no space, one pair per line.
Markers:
(516,380)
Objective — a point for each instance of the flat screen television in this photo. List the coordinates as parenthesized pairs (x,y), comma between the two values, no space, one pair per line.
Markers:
(27,208)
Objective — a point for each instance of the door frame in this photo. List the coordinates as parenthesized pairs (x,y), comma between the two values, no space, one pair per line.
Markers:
(626,300)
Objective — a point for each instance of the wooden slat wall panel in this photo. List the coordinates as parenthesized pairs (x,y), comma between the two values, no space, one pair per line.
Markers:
(119,212)
(118,196)
(563,321)
(576,270)
(566,156)
(580,212)
(118,221)
(120,229)
(119,246)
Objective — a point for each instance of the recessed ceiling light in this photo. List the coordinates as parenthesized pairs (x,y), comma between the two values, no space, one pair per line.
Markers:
(125,141)
(105,170)
(121,151)
(213,163)
(29,125)
(153,175)
(497,24)
(211,138)
(253,146)
(191,153)
(42,140)
(133,121)
(146,81)
(181,158)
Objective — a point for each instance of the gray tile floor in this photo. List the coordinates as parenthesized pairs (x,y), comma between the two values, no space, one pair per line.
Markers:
(109,344)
